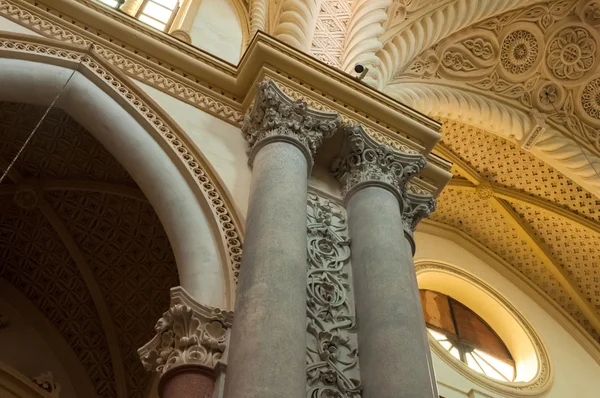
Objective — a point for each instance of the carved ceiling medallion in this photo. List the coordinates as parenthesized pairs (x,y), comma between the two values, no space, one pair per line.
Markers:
(571,53)
(520,50)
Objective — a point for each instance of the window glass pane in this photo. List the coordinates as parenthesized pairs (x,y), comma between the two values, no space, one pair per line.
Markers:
(157,12)
(487,369)
(473,364)
(436,335)
(455,353)
(170,4)
(152,22)
(507,370)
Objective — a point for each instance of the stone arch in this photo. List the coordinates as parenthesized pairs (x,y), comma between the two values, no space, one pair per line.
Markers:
(178,182)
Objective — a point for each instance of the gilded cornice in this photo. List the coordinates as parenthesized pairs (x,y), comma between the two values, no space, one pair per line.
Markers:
(209,83)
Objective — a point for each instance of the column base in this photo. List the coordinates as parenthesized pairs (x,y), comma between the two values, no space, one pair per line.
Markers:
(187,381)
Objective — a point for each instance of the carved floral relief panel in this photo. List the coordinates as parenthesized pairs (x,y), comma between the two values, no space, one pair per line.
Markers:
(332,353)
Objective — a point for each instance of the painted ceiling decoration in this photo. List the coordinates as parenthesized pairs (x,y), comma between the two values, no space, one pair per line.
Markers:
(83,244)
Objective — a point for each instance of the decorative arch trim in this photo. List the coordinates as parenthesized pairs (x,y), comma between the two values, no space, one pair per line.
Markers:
(193,168)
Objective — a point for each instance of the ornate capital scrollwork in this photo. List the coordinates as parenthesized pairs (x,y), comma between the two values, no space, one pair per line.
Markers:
(416,208)
(187,334)
(277,117)
(364,161)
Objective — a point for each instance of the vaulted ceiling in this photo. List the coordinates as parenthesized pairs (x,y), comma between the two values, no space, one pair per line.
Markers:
(516,84)
(80,240)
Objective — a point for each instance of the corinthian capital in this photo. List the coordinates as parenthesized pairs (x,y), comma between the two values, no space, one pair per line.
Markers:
(277,117)
(366,162)
(187,334)
(416,208)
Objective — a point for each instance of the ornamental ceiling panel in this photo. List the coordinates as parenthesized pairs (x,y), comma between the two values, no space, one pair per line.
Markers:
(129,253)
(504,162)
(576,248)
(66,191)
(35,261)
(330,32)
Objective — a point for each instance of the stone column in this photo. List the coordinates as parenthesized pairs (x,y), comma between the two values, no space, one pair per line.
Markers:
(267,358)
(184,20)
(392,343)
(131,7)
(189,343)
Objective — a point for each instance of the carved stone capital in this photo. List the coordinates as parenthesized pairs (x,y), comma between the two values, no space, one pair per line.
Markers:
(416,208)
(277,117)
(187,334)
(366,162)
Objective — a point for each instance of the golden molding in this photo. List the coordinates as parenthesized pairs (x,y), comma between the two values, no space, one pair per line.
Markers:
(539,385)
(206,82)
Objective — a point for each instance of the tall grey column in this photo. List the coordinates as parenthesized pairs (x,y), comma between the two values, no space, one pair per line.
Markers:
(267,356)
(392,344)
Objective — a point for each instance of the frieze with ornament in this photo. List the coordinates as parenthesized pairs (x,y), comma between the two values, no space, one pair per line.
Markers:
(332,347)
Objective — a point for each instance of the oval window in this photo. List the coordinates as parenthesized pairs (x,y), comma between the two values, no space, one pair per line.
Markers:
(466,336)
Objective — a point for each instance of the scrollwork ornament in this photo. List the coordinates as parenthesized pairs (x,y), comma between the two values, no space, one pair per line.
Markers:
(416,208)
(274,114)
(188,333)
(332,353)
(590,98)
(520,50)
(571,53)
(363,160)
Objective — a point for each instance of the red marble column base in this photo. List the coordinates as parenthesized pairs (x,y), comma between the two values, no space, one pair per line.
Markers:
(187,381)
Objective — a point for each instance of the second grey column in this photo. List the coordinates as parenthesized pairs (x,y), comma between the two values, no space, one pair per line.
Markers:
(392,344)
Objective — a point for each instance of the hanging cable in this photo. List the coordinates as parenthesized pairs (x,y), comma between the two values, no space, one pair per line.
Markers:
(39,123)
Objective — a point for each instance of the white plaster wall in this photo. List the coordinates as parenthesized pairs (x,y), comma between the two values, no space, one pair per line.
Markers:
(217,29)
(221,143)
(576,374)
(10,26)
(24,348)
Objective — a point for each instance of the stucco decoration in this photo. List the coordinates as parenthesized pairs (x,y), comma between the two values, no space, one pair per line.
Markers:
(416,209)
(274,114)
(332,348)
(296,23)
(403,46)
(365,161)
(364,31)
(330,31)
(547,66)
(189,333)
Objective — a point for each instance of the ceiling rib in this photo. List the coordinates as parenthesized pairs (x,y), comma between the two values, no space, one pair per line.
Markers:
(523,229)
(513,195)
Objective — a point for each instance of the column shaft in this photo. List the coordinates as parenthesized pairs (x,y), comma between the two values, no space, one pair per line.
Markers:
(267,358)
(393,352)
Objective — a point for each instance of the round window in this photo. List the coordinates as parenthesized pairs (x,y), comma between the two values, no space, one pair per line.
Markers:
(466,336)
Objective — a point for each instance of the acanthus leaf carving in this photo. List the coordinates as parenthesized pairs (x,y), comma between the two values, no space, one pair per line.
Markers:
(416,208)
(188,333)
(365,161)
(274,114)
(332,353)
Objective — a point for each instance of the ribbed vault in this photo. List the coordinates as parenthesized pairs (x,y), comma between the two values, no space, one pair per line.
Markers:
(81,241)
